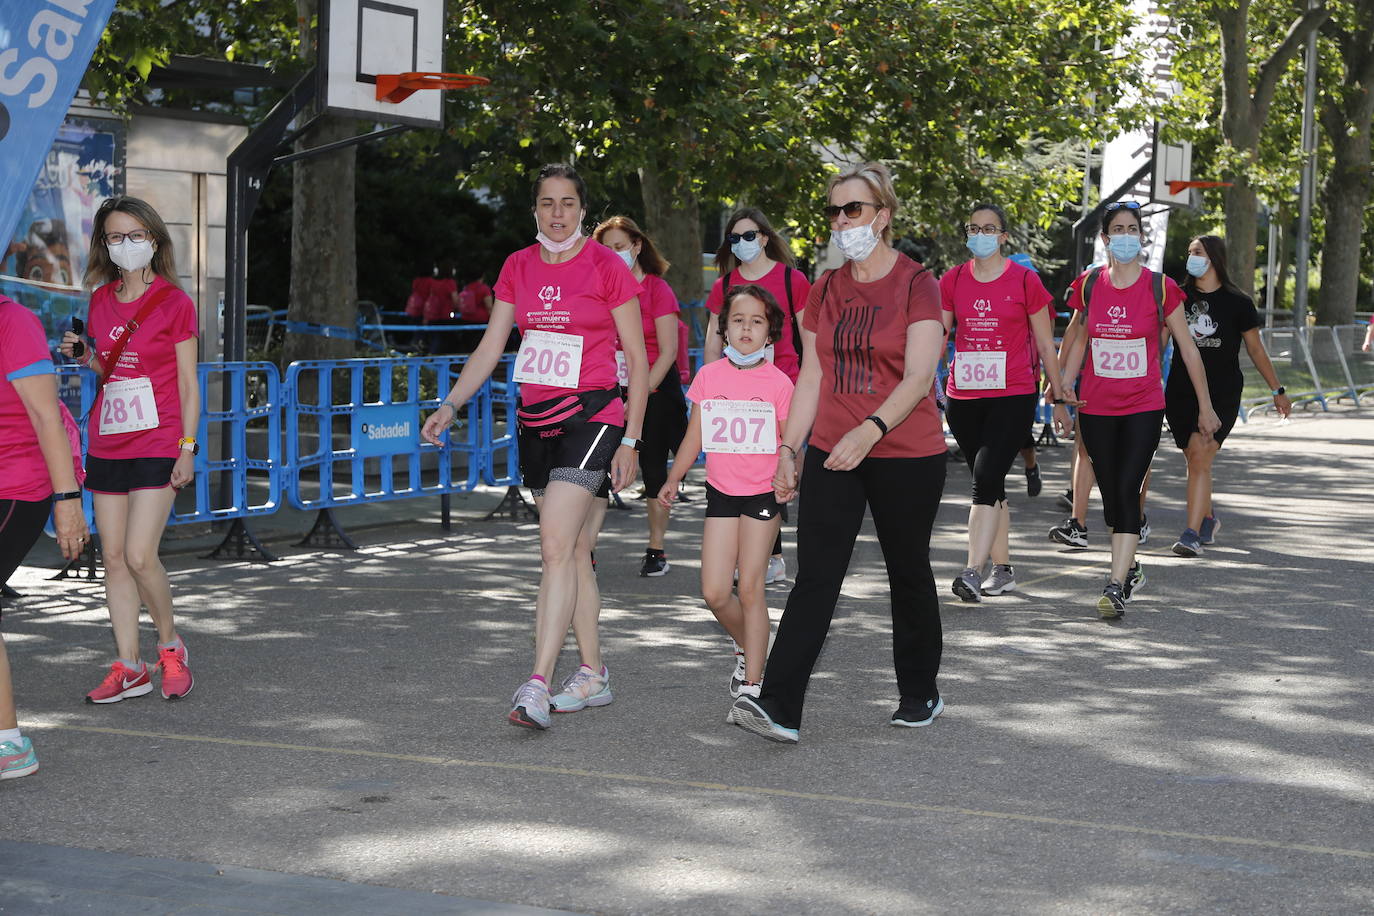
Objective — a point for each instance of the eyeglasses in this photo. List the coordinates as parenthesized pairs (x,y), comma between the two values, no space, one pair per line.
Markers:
(854,209)
(1128,204)
(735,238)
(971,229)
(138,235)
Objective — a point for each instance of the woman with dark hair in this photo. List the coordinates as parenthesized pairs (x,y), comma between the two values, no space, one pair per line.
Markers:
(1126,309)
(1003,332)
(40,450)
(142,438)
(665,414)
(752,252)
(571,297)
(1220,317)
(866,401)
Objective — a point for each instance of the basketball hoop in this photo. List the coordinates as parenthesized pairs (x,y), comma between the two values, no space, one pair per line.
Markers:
(397,87)
(1178,187)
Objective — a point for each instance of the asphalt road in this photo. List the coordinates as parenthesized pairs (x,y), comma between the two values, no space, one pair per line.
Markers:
(345,747)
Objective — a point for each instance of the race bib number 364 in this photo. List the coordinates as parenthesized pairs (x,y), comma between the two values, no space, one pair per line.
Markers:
(739,427)
(980,369)
(549,358)
(128,407)
(1119,358)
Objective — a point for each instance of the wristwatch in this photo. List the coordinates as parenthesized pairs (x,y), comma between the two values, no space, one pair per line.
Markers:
(632,443)
(73,494)
(189,445)
(1280,390)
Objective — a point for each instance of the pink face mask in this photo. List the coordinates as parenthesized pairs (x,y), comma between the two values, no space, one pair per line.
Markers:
(558,247)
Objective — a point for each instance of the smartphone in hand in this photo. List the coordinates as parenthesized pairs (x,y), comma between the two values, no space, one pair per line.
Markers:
(78,348)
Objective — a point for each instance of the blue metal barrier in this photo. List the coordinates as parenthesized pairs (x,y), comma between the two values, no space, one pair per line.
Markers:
(500,397)
(348,445)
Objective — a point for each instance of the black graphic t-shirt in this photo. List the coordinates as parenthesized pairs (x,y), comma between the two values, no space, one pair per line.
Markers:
(1216,320)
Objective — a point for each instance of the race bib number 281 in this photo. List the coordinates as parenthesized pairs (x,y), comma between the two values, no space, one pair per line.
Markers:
(127,407)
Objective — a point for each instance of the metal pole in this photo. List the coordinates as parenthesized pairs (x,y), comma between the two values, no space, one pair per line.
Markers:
(1271,268)
(1309,179)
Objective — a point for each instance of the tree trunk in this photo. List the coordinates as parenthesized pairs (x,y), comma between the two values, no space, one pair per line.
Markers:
(1345,116)
(324,268)
(1242,222)
(674,221)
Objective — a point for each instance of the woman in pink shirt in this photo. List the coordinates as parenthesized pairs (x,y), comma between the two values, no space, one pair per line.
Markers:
(752,252)
(665,415)
(1122,395)
(571,298)
(741,402)
(1003,331)
(142,438)
(40,450)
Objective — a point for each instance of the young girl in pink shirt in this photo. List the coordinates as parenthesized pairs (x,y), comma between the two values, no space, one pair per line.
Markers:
(741,402)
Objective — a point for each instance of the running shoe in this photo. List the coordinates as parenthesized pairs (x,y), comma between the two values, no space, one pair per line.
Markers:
(583,688)
(750,716)
(1207,532)
(1033,483)
(777,570)
(176,677)
(968,586)
(1002,580)
(917,714)
(17,759)
(1066,500)
(122,683)
(737,678)
(1112,604)
(750,690)
(1070,533)
(530,705)
(1135,577)
(1189,544)
(655,564)
(1144,529)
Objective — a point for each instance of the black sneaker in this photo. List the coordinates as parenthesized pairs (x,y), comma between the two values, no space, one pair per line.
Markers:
(1034,485)
(917,713)
(1070,533)
(1066,500)
(1112,604)
(1134,579)
(655,563)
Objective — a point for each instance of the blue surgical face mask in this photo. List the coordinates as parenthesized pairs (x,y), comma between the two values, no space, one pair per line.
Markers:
(1125,248)
(982,245)
(1197,265)
(745,250)
(743,359)
(628,256)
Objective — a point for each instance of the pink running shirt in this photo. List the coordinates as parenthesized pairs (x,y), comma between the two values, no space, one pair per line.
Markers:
(152,354)
(573,297)
(742,475)
(995,317)
(1121,324)
(23,353)
(658,300)
(785,355)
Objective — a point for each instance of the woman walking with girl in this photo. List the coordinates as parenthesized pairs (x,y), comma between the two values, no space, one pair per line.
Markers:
(872,336)
(1126,308)
(1003,332)
(741,402)
(571,297)
(142,438)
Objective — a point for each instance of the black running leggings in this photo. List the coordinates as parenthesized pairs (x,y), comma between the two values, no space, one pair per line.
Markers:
(990,432)
(1121,449)
(21,522)
(904,495)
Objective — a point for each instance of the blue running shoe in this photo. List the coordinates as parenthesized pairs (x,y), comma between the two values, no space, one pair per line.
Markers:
(582,689)
(17,759)
(1188,543)
(1207,532)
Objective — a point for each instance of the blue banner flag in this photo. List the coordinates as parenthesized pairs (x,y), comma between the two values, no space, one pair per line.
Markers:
(45,47)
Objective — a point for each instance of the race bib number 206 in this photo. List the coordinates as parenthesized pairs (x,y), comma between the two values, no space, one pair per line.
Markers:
(549,358)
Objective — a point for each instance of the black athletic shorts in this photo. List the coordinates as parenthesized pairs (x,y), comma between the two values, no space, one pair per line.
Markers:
(763,506)
(1180,409)
(120,475)
(579,453)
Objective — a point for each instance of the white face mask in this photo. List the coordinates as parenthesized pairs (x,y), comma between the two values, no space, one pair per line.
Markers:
(628,256)
(855,243)
(558,247)
(746,251)
(129,255)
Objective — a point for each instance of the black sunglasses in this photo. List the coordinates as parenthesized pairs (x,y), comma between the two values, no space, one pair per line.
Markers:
(854,209)
(1128,204)
(735,238)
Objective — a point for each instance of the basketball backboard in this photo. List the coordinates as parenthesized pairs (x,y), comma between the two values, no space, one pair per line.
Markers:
(1172,162)
(361,38)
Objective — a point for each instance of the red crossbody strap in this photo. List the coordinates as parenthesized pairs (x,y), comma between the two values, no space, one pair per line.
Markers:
(131,326)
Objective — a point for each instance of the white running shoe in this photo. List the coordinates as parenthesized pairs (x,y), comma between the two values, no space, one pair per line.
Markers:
(530,705)
(777,570)
(583,688)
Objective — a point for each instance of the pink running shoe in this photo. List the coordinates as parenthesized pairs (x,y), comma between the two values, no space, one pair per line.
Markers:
(120,684)
(176,677)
